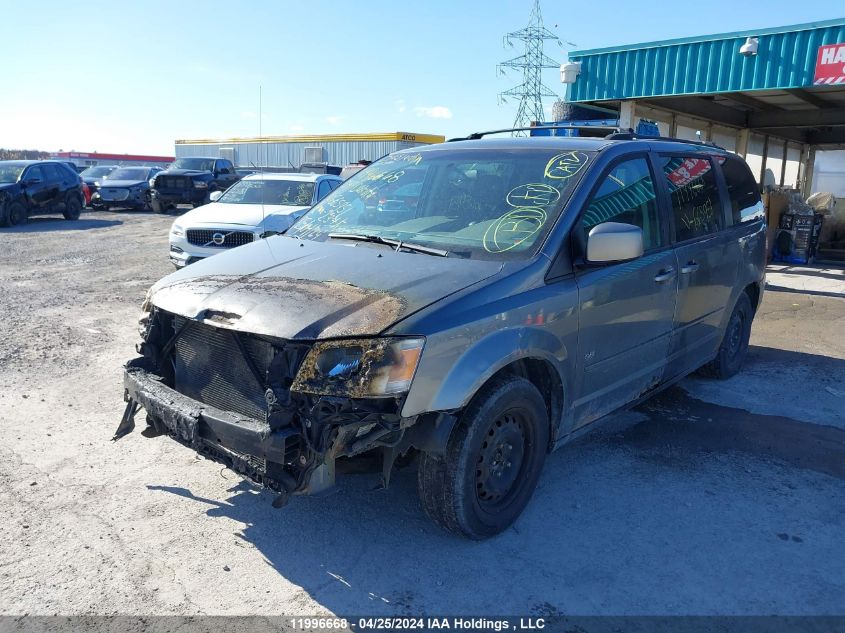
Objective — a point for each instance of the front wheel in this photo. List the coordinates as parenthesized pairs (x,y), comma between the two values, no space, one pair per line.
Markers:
(157,206)
(15,215)
(734,345)
(492,461)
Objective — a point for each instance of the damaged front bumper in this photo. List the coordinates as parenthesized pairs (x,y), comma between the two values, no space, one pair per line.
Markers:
(245,444)
(289,460)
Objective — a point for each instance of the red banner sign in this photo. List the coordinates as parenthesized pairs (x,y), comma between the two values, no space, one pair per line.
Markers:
(830,65)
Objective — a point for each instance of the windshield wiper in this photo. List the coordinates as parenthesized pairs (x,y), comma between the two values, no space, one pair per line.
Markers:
(396,244)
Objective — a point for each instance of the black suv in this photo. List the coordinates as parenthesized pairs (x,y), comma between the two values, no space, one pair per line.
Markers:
(191,181)
(30,187)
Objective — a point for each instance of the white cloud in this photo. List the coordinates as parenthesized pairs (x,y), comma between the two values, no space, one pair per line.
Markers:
(335,120)
(433,112)
(400,105)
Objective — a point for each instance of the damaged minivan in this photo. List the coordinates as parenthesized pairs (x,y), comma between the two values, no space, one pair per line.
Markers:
(470,306)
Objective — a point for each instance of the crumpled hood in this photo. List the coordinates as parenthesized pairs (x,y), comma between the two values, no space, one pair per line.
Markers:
(217,213)
(296,289)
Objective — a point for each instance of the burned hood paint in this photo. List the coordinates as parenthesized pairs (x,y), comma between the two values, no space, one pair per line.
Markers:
(296,289)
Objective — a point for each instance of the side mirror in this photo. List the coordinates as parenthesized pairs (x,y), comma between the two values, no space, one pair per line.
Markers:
(614,242)
(214,196)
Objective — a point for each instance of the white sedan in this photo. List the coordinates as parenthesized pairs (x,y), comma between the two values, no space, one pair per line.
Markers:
(257,206)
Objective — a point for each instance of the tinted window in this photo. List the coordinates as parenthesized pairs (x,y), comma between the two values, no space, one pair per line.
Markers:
(34,173)
(323,189)
(61,173)
(198,164)
(694,194)
(129,173)
(334,184)
(50,173)
(746,205)
(626,194)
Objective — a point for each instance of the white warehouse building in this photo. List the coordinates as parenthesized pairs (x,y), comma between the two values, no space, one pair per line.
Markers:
(292,151)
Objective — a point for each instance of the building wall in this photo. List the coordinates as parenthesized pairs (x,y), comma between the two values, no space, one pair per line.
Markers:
(285,154)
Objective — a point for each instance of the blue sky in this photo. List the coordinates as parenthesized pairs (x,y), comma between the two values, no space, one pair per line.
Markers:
(133,76)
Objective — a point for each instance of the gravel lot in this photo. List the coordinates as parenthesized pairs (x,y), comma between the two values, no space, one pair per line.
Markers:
(715,498)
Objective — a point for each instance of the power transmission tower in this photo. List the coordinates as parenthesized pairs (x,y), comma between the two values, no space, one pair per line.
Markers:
(532,90)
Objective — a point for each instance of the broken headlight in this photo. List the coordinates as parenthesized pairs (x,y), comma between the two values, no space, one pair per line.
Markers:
(144,318)
(359,368)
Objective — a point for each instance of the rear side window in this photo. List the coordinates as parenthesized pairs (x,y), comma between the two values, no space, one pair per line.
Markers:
(746,205)
(51,172)
(626,194)
(696,205)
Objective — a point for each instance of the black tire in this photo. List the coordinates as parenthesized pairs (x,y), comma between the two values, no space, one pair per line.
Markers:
(734,346)
(492,461)
(73,207)
(157,206)
(148,202)
(16,215)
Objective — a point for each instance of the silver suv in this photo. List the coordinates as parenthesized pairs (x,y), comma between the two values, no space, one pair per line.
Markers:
(529,287)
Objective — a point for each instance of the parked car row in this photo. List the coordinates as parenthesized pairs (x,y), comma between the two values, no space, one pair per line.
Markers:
(197,181)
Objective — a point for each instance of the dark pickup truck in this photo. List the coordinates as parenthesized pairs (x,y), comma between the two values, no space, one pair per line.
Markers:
(191,181)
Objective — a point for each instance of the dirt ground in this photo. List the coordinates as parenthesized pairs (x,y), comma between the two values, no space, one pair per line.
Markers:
(715,498)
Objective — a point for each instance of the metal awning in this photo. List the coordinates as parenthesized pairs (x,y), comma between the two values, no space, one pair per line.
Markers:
(772,91)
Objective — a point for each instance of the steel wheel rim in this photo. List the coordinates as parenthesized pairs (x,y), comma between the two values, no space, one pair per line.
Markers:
(501,461)
(735,335)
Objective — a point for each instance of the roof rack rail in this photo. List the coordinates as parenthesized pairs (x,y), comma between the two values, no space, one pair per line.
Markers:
(614,129)
(633,136)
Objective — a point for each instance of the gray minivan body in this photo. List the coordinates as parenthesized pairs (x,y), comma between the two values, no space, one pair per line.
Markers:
(513,346)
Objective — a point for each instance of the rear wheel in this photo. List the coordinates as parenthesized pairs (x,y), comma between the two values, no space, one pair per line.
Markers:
(15,215)
(492,462)
(734,345)
(73,207)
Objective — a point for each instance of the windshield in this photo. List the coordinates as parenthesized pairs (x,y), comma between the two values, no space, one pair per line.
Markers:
(136,173)
(10,173)
(198,164)
(487,203)
(97,172)
(293,193)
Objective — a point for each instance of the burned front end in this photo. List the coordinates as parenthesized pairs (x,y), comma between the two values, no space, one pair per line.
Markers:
(281,412)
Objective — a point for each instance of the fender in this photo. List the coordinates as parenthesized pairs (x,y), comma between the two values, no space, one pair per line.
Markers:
(454,389)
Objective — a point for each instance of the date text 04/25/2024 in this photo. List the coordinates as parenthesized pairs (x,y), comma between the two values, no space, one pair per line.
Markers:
(409,623)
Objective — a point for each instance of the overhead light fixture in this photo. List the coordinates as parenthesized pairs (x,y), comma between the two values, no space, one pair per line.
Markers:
(749,49)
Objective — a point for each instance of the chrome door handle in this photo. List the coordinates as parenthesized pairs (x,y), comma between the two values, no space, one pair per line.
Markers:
(691,267)
(665,275)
